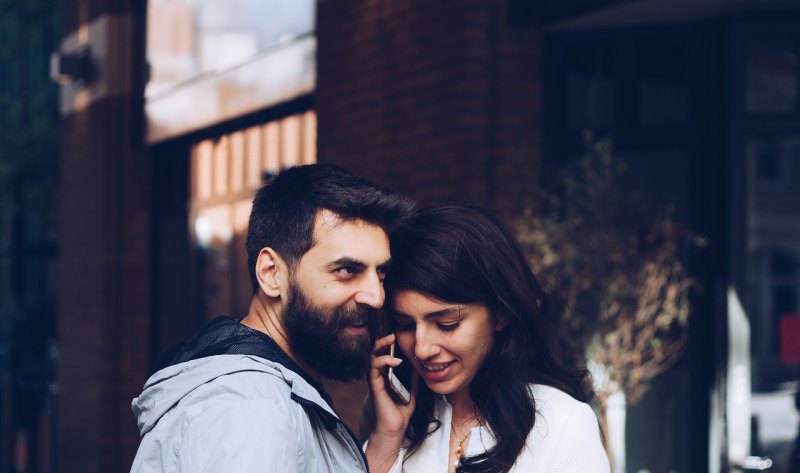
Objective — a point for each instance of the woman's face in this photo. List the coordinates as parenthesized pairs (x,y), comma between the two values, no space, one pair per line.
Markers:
(446,342)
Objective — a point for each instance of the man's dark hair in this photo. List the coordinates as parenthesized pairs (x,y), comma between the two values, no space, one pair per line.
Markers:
(284,210)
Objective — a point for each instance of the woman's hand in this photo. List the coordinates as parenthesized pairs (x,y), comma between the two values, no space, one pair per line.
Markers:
(391,418)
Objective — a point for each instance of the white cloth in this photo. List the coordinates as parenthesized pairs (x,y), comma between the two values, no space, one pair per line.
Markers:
(565,439)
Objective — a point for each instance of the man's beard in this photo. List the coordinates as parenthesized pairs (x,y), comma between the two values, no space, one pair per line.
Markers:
(317,337)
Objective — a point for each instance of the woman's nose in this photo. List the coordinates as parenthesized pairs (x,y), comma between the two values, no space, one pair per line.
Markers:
(425,345)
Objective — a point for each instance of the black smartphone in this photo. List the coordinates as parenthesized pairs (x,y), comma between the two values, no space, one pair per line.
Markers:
(399,378)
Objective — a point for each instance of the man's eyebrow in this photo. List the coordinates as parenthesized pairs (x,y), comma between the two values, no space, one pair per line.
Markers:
(346,261)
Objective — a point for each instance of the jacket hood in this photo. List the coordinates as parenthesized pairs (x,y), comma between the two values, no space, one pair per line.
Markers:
(167,387)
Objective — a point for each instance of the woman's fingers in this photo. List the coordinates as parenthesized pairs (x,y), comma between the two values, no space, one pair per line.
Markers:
(380,360)
(384,361)
(382,343)
(379,365)
(391,418)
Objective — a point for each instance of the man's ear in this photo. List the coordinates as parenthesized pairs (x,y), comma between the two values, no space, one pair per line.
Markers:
(270,272)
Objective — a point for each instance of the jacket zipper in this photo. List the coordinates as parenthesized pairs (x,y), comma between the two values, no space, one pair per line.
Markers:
(337,421)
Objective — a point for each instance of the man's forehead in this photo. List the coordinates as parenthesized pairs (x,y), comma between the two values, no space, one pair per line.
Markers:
(339,237)
(327,221)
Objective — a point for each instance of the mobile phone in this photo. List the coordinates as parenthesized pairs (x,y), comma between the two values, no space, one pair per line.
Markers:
(398,378)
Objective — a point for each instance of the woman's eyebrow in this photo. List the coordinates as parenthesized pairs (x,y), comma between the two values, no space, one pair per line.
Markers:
(431,315)
(443,312)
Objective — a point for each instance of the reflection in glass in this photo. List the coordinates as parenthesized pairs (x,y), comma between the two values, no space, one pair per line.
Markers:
(774,163)
(226,172)
(771,81)
(190,38)
(773,275)
(590,87)
(663,88)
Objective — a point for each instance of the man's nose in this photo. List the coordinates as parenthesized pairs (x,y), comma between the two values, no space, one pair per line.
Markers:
(370,292)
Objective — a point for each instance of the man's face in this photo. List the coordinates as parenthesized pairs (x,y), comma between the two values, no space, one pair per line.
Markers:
(336,286)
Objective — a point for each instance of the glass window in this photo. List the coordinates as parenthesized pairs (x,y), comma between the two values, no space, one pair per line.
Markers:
(774,163)
(662,76)
(784,291)
(765,230)
(635,85)
(590,87)
(771,80)
(783,265)
(772,250)
(191,38)
(226,172)
(768,165)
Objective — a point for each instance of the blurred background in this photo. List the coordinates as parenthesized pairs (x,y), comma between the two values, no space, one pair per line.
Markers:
(133,135)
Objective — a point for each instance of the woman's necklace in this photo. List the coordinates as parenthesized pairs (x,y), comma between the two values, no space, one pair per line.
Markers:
(459,446)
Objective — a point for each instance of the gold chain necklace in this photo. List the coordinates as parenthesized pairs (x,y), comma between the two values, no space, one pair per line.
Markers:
(459,447)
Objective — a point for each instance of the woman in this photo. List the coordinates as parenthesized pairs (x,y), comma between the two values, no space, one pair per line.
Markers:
(469,317)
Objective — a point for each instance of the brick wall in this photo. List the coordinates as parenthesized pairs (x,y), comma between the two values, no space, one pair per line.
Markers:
(436,99)
(104,241)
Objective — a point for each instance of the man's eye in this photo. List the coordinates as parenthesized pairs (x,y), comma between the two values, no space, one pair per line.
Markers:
(347,271)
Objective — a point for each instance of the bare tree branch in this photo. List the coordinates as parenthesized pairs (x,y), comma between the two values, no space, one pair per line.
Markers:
(618,273)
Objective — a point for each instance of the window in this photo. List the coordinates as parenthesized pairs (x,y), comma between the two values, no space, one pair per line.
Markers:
(226,172)
(187,39)
(774,163)
(663,87)
(590,87)
(216,60)
(771,79)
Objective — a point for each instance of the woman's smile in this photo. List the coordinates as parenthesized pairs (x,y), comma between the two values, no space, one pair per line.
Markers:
(433,372)
(447,341)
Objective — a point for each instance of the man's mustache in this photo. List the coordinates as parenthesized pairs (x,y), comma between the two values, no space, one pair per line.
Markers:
(356,316)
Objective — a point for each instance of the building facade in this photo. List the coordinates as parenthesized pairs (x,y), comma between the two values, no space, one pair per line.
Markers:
(189,104)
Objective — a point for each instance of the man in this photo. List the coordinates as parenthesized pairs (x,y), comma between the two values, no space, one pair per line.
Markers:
(245,395)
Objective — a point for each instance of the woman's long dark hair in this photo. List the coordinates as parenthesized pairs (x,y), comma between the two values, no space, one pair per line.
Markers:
(458,253)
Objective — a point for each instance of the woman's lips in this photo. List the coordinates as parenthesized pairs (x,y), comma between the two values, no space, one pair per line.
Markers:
(437,371)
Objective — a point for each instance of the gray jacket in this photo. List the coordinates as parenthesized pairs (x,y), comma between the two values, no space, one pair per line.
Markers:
(239,413)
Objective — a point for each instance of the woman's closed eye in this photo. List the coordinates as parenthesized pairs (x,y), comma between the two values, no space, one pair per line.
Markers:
(448,326)
(445,326)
